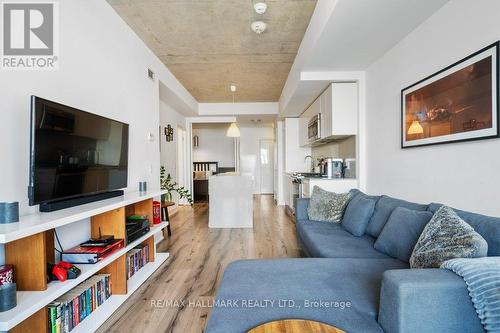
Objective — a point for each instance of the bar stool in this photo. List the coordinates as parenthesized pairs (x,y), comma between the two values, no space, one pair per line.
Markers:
(164,214)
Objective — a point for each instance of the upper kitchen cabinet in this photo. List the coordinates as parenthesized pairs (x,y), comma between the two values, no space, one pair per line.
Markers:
(339,110)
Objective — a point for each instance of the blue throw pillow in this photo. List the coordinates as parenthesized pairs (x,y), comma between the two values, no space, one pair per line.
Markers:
(401,232)
(383,209)
(357,214)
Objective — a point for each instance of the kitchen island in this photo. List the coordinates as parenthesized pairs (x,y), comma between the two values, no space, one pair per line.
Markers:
(231,201)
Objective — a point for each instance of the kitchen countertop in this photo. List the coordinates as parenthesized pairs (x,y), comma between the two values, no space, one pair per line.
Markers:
(293,174)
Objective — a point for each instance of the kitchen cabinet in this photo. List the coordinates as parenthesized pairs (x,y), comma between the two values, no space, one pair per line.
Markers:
(339,110)
(294,152)
(303,137)
(338,106)
(337,185)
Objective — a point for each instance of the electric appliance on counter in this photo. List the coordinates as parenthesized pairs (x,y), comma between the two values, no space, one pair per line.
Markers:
(350,168)
(76,157)
(333,168)
(314,128)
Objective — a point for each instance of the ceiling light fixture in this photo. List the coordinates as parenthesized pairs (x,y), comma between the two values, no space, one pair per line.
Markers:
(233,131)
(260,7)
(258,27)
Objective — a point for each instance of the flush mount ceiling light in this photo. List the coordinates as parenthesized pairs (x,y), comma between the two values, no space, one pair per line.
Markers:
(260,7)
(258,27)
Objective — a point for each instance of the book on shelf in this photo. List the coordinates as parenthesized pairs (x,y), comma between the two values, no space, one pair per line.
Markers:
(91,255)
(66,312)
(137,258)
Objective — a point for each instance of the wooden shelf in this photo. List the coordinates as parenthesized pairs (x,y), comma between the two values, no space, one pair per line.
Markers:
(29,302)
(39,222)
(99,316)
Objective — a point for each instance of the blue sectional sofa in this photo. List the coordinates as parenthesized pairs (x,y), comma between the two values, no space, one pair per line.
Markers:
(348,283)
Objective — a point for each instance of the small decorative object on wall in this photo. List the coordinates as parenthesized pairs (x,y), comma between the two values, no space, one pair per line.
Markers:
(196,141)
(458,103)
(169,133)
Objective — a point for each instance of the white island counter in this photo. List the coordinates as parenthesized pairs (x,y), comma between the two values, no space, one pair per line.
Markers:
(231,201)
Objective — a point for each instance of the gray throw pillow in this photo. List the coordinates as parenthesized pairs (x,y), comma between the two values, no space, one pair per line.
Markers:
(445,237)
(327,206)
(401,232)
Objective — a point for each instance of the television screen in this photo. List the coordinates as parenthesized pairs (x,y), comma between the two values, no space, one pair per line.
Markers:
(74,153)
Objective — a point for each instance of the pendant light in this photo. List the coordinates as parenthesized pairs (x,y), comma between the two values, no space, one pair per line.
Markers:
(233,131)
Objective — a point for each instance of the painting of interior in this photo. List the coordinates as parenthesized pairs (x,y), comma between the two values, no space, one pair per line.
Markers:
(458,103)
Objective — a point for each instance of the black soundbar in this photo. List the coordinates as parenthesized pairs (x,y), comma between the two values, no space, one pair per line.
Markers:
(62,204)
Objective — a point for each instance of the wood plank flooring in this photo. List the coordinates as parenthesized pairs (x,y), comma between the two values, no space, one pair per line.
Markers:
(198,256)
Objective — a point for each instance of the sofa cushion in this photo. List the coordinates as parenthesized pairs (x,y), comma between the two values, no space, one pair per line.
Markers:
(327,206)
(486,226)
(401,232)
(383,209)
(357,214)
(330,240)
(301,280)
(445,237)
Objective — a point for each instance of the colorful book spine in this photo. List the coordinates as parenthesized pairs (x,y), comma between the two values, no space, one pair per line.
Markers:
(65,313)
(137,258)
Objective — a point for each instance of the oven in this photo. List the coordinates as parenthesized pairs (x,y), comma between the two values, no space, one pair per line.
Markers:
(314,128)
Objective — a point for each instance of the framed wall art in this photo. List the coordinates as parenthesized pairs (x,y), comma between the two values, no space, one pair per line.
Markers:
(458,103)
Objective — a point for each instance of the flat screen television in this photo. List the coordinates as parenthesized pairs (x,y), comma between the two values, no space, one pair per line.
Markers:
(74,155)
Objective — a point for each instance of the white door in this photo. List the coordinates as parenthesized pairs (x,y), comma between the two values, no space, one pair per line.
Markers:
(266,166)
(181,155)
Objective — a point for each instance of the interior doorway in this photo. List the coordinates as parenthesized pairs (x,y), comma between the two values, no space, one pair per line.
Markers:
(181,159)
(266,166)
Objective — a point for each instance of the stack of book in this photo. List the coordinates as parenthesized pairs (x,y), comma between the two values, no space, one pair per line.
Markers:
(137,258)
(66,312)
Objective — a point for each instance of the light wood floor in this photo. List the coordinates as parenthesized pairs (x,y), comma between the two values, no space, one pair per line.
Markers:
(197,260)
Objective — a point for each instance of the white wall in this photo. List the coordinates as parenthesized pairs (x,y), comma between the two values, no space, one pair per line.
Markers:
(250,149)
(214,145)
(464,175)
(103,69)
(168,154)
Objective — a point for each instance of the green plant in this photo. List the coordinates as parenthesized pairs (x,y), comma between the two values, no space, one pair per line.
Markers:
(169,185)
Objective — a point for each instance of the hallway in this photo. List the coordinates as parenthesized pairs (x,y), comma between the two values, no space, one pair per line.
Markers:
(198,256)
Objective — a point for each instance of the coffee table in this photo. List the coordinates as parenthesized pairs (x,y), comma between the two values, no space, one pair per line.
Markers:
(295,326)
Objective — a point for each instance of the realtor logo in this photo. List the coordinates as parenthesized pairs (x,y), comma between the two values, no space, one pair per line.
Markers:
(29,35)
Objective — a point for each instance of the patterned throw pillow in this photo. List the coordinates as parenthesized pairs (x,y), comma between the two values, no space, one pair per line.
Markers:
(446,236)
(327,206)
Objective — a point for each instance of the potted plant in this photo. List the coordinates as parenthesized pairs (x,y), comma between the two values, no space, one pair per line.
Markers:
(168,184)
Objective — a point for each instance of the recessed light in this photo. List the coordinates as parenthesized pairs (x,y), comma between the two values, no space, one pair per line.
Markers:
(258,27)
(260,7)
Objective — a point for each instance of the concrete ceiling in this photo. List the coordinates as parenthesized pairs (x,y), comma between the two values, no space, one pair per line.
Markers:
(208,44)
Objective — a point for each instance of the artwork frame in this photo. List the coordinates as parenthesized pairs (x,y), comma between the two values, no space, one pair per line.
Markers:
(420,109)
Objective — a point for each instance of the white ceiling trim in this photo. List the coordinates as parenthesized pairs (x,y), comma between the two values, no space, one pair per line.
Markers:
(213,109)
